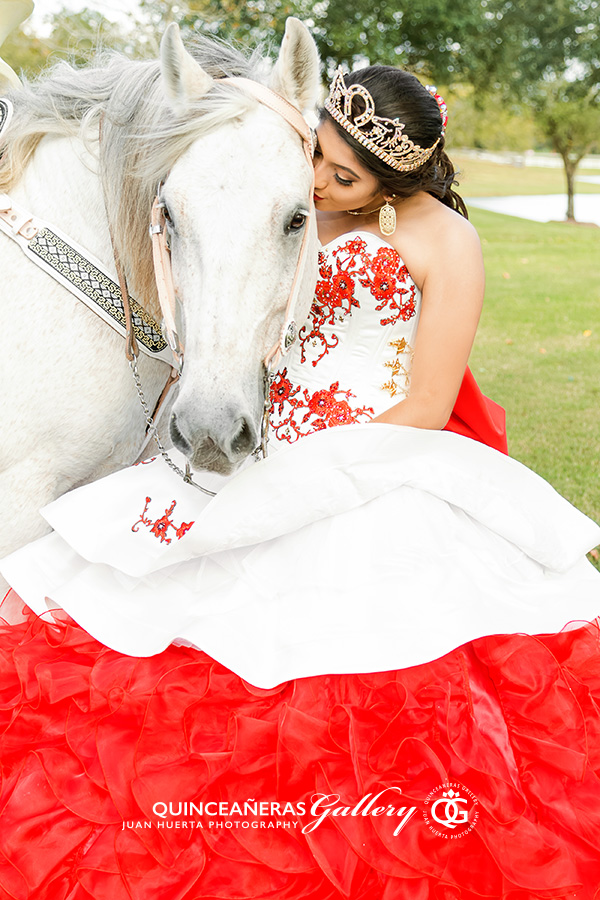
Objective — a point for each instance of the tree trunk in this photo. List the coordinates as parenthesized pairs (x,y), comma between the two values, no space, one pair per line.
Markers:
(570,169)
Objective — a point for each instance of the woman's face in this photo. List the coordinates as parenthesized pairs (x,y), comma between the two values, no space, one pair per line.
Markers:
(341,182)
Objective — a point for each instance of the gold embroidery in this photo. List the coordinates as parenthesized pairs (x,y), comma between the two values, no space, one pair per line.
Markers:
(400,370)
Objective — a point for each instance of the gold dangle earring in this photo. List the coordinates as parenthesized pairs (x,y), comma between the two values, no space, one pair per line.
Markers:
(387,218)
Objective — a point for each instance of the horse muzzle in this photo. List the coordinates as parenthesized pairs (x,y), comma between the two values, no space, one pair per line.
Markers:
(219,447)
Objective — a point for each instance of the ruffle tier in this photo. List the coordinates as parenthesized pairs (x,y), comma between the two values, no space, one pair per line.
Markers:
(91,741)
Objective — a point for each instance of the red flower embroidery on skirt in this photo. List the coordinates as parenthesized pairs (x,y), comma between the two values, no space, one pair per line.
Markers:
(326,408)
(160,527)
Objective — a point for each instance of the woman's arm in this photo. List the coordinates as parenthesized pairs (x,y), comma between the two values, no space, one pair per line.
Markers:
(452,297)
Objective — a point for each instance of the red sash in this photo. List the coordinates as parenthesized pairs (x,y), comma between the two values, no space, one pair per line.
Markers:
(478,417)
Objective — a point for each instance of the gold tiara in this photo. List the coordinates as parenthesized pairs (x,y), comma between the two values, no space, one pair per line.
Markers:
(383,137)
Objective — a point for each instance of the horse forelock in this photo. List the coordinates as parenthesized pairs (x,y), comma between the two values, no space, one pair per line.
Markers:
(141,136)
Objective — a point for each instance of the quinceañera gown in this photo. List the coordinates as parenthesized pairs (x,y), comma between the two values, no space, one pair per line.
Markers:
(365,669)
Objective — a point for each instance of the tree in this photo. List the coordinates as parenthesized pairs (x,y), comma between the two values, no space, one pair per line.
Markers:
(572,122)
(546,53)
(78,36)
(424,35)
(75,36)
(243,23)
(25,52)
(487,121)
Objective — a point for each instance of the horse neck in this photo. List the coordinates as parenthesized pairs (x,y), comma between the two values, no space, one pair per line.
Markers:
(61,184)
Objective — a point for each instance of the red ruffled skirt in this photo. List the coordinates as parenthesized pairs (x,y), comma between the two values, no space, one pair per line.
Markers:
(100,753)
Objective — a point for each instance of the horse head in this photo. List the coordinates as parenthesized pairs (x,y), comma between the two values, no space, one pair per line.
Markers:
(236,204)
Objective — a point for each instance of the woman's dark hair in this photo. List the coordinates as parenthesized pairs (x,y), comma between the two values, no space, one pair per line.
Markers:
(399,95)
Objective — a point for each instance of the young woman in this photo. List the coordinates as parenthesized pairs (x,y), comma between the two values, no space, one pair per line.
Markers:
(404,186)
(363,711)
(412,185)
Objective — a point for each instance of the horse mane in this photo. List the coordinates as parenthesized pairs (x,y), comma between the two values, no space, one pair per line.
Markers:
(141,136)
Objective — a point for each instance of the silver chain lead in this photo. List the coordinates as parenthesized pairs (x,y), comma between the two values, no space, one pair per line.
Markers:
(187,475)
(261,450)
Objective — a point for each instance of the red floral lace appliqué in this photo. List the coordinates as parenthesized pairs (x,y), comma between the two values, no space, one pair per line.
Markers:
(390,283)
(383,274)
(160,527)
(312,412)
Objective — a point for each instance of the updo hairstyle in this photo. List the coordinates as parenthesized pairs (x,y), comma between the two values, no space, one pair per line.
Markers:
(399,95)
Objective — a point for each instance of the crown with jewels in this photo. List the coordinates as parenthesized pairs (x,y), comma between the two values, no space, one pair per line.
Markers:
(383,137)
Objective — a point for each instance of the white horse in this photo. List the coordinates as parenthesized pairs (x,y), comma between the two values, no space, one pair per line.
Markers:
(87,149)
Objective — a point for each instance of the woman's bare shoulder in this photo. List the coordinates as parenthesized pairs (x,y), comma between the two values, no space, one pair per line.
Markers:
(429,234)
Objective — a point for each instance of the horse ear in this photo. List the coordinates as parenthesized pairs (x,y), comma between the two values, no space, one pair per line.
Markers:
(185,79)
(296,73)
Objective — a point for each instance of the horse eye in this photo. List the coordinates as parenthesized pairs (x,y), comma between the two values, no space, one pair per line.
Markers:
(166,213)
(297,221)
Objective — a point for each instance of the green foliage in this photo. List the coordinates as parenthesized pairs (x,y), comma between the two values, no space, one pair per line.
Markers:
(244,23)
(494,44)
(570,119)
(74,36)
(521,44)
(77,36)
(25,52)
(425,36)
(491,125)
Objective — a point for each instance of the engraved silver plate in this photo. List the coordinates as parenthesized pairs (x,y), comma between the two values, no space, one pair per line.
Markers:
(6,111)
(290,336)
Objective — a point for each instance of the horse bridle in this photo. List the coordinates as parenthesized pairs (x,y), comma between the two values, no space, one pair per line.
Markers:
(166,292)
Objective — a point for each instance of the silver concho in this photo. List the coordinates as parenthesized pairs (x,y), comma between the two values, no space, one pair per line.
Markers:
(6,112)
(289,338)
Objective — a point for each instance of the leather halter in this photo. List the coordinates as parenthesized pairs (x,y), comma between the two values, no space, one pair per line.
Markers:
(23,227)
(162,256)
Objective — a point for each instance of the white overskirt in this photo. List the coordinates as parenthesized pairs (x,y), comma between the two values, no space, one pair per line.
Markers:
(360,548)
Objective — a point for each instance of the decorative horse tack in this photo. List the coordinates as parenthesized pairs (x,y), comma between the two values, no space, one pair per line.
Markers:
(166,291)
(6,112)
(84,276)
(78,270)
(161,253)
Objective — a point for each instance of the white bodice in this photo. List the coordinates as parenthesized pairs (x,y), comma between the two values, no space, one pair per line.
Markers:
(353,356)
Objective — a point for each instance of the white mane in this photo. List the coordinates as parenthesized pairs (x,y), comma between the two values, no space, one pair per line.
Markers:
(141,134)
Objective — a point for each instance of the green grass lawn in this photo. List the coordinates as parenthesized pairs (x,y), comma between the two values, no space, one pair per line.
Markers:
(486,179)
(537,350)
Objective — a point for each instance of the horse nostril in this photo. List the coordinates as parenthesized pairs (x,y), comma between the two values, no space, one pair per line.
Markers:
(244,441)
(178,438)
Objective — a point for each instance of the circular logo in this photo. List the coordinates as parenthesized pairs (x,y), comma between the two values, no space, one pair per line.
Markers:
(451,810)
